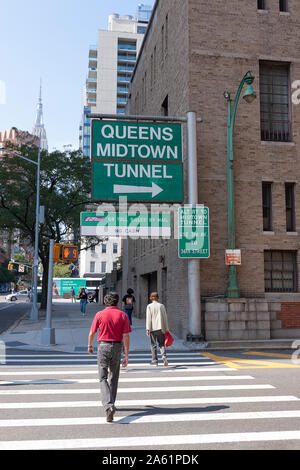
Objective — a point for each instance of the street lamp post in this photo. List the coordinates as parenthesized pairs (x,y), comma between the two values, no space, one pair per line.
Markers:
(233,290)
(34,310)
(34,314)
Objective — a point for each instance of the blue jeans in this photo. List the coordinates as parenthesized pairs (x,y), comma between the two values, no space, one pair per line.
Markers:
(83,306)
(129,313)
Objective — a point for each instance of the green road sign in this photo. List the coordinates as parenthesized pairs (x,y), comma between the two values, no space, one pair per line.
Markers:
(125,224)
(193,229)
(142,161)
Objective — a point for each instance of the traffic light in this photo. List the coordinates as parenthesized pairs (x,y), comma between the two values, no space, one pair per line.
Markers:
(69,253)
(65,253)
(10,267)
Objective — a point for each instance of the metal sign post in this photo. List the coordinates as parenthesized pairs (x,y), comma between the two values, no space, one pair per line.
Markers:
(48,333)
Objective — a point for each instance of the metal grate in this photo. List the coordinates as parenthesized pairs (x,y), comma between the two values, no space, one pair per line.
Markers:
(274,102)
(280,271)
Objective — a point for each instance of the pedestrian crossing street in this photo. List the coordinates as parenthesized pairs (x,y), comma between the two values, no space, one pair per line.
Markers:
(52,402)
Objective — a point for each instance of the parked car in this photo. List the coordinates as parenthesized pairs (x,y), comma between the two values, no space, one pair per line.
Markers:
(21,295)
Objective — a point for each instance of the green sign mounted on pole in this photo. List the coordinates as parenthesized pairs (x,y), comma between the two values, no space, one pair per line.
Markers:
(193,229)
(139,160)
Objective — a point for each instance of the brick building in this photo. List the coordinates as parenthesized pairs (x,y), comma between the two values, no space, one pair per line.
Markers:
(193,51)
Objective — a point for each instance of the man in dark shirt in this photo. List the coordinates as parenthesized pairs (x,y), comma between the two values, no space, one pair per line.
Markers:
(114,329)
(128,304)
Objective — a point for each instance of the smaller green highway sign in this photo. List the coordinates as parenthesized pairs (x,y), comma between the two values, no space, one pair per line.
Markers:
(139,160)
(193,229)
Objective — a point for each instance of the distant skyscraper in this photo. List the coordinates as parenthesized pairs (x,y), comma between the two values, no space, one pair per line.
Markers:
(111,63)
(143,13)
(39,129)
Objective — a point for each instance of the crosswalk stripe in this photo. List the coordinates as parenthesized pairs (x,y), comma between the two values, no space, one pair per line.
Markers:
(74,380)
(135,355)
(90,391)
(93,360)
(151,402)
(123,371)
(158,418)
(147,441)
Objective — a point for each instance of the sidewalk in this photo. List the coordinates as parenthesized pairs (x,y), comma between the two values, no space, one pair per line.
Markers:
(72,330)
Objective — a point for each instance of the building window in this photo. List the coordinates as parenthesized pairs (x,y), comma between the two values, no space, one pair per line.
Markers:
(103,248)
(92,266)
(141,29)
(103,267)
(115,248)
(267,206)
(280,271)
(274,102)
(165,106)
(283,5)
(290,207)
(261,4)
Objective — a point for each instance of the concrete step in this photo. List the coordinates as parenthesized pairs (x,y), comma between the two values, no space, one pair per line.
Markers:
(239,344)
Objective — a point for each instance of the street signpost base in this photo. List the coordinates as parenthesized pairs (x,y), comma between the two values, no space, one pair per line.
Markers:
(48,336)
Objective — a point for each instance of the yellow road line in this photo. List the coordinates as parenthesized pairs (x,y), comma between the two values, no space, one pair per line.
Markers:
(255,353)
(235,362)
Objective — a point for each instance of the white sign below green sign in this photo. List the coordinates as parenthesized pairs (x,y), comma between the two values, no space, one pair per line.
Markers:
(118,224)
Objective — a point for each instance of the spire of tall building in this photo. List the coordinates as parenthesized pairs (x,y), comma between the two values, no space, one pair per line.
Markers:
(39,129)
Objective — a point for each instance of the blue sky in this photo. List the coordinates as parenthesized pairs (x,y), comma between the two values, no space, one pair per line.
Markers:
(50,39)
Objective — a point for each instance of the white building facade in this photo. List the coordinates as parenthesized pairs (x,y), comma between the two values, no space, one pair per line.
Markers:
(111,64)
(101,259)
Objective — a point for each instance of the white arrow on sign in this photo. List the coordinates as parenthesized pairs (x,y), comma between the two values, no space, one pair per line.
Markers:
(123,189)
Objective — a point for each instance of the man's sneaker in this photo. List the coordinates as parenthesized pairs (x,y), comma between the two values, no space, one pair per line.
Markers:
(110,414)
(165,361)
(154,363)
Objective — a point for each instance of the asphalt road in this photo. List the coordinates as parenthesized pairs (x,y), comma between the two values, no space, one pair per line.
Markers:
(10,312)
(243,400)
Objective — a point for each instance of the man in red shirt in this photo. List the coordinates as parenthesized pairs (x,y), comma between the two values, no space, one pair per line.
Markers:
(114,329)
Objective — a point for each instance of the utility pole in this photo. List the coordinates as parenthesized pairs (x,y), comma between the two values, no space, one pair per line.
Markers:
(48,333)
(193,264)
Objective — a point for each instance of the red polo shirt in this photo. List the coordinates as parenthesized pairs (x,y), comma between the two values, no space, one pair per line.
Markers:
(112,324)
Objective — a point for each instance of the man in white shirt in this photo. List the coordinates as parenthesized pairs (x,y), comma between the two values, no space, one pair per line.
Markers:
(156,326)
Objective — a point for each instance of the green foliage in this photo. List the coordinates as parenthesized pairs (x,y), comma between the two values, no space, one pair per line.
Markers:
(64,191)
(61,270)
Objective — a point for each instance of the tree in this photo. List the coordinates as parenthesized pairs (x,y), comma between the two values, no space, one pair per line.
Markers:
(61,270)
(64,191)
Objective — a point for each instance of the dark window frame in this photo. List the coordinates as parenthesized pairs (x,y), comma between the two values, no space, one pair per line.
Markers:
(267,188)
(290,207)
(276,126)
(261,4)
(283,6)
(280,271)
